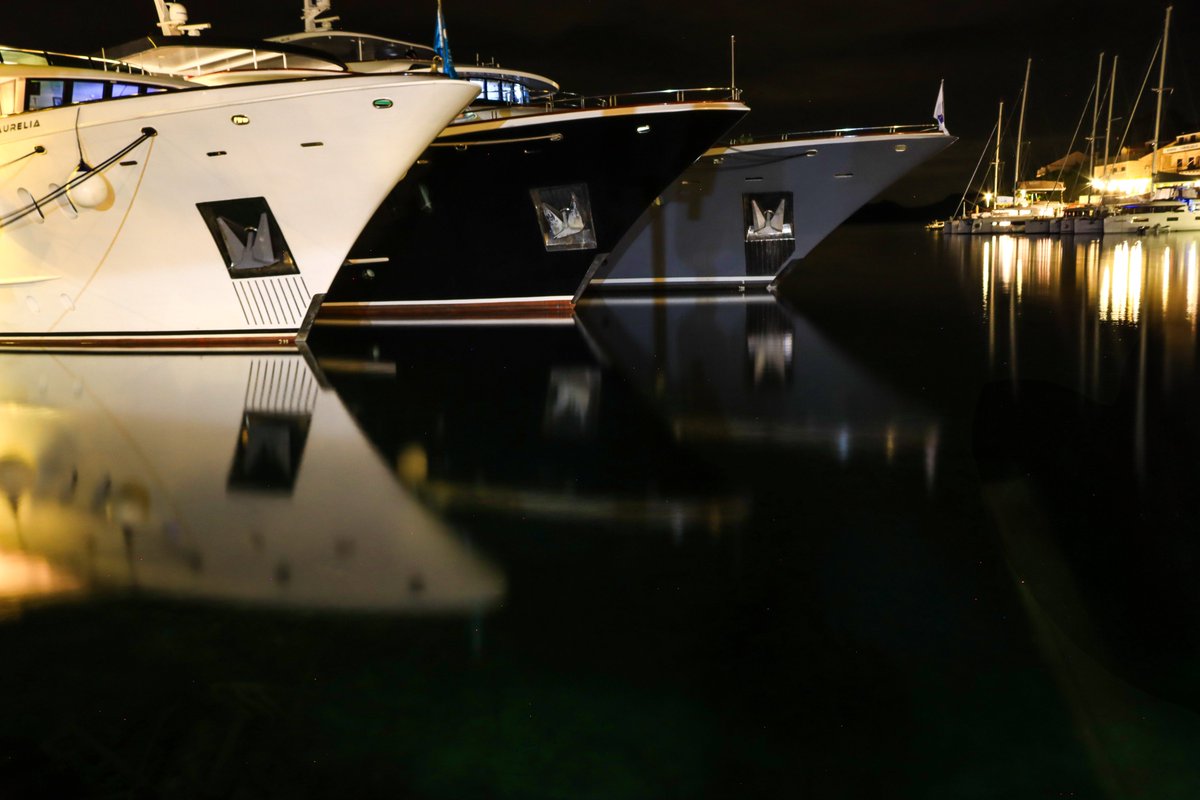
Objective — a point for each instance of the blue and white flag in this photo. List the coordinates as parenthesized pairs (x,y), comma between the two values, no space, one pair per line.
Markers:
(939,108)
(441,43)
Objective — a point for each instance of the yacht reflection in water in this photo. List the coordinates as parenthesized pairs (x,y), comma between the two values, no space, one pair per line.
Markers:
(519,422)
(744,372)
(216,477)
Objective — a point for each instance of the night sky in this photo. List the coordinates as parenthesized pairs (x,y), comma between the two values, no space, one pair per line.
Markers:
(803,66)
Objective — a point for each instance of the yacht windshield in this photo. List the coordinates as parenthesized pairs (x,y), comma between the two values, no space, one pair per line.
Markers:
(501,91)
(366,48)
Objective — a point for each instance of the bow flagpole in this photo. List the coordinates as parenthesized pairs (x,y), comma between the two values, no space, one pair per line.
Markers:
(441,43)
(939,108)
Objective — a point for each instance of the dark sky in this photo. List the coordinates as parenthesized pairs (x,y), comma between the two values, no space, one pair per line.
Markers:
(803,65)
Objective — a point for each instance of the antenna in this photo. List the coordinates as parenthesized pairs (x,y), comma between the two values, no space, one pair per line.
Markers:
(733,66)
(314,9)
(173,20)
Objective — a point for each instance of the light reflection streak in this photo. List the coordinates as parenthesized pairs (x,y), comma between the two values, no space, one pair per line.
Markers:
(1121,282)
(1107,282)
(1166,279)
(1021,272)
(1007,247)
(987,276)
(1192,292)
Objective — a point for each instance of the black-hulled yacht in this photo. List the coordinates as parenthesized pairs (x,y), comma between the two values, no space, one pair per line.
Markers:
(521,198)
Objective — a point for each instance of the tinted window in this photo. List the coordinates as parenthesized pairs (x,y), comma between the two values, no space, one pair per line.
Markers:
(87,91)
(124,89)
(343,48)
(43,94)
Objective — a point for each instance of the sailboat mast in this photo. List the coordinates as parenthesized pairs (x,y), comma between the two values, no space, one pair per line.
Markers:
(1112,90)
(996,172)
(1096,115)
(1162,74)
(1020,130)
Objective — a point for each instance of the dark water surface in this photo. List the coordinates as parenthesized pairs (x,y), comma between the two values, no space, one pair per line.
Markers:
(924,527)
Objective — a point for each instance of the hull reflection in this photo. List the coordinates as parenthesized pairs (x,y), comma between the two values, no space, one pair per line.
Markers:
(744,371)
(218,477)
(519,422)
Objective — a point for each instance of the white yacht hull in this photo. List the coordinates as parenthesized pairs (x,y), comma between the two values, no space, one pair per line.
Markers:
(1044,226)
(144,263)
(1082,226)
(1152,222)
(696,235)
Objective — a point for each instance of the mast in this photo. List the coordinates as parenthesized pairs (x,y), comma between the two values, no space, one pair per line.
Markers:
(1020,130)
(1108,128)
(1162,74)
(996,171)
(1095,115)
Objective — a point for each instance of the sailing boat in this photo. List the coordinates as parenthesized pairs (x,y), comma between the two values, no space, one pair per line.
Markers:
(1009,214)
(1165,209)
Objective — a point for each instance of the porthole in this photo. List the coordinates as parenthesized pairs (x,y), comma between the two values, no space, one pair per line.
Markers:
(28,199)
(64,202)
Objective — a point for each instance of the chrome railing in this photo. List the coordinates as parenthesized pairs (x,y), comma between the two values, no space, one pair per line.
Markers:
(71,60)
(553,100)
(835,133)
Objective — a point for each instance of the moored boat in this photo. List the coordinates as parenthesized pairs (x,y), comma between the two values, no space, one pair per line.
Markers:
(1083,220)
(1153,216)
(145,210)
(745,211)
(519,200)
(516,209)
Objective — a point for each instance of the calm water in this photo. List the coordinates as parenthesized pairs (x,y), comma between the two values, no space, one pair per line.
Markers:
(925,527)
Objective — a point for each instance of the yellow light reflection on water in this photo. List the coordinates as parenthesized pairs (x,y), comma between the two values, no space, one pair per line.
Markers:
(1121,281)
(1192,292)
(1006,252)
(1166,279)
(987,275)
